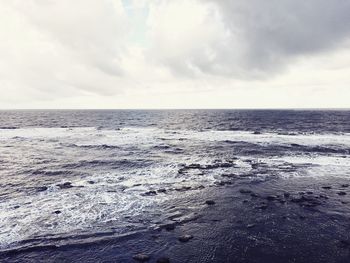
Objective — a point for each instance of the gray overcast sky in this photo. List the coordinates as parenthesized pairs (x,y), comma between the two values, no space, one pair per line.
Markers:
(174,54)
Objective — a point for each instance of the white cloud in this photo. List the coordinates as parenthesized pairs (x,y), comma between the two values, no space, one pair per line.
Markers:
(163,53)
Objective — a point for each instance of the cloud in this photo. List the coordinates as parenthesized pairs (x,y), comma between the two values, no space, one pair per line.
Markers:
(154,53)
(61,47)
(244,38)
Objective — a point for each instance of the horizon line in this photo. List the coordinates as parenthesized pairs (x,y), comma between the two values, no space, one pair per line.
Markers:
(82,109)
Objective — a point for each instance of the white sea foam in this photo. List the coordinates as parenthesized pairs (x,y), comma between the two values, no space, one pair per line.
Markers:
(118,193)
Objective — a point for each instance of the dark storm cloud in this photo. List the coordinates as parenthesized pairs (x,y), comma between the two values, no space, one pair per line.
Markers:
(260,38)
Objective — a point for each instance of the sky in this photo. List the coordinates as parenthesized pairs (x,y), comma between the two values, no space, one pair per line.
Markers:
(154,54)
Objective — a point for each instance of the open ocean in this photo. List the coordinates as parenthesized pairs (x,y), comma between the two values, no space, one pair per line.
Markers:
(104,185)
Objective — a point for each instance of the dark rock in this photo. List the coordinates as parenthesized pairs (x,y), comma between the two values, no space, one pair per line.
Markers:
(297,199)
(286,195)
(141,257)
(65,185)
(169,227)
(245,191)
(181,171)
(344,243)
(183,188)
(150,193)
(254,195)
(210,202)
(271,197)
(185,238)
(229,175)
(222,183)
(224,165)
(308,201)
(341,193)
(193,166)
(262,206)
(57,212)
(323,196)
(16,206)
(254,165)
(41,188)
(163,260)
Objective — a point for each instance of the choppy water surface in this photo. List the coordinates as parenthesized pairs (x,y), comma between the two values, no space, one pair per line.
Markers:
(69,177)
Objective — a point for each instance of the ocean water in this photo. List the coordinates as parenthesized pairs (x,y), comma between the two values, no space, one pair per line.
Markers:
(75,177)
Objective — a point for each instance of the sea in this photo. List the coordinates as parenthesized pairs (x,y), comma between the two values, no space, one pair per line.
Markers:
(105,185)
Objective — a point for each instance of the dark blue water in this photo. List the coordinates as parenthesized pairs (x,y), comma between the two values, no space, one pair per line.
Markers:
(243,120)
(103,185)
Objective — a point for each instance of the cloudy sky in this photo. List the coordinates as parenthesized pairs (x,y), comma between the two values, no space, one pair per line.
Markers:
(174,53)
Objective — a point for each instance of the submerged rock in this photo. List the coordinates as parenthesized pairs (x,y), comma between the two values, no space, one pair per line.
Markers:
(254,195)
(229,175)
(245,191)
(210,202)
(222,183)
(308,201)
(150,193)
(286,195)
(185,238)
(65,185)
(57,212)
(271,197)
(262,206)
(163,260)
(183,188)
(169,227)
(41,188)
(141,257)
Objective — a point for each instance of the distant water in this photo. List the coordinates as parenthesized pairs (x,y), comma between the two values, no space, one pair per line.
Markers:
(112,161)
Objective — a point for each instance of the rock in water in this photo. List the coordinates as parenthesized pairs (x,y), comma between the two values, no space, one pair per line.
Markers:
(210,202)
(163,260)
(245,191)
(185,238)
(41,188)
(141,257)
(65,185)
(150,193)
(169,227)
